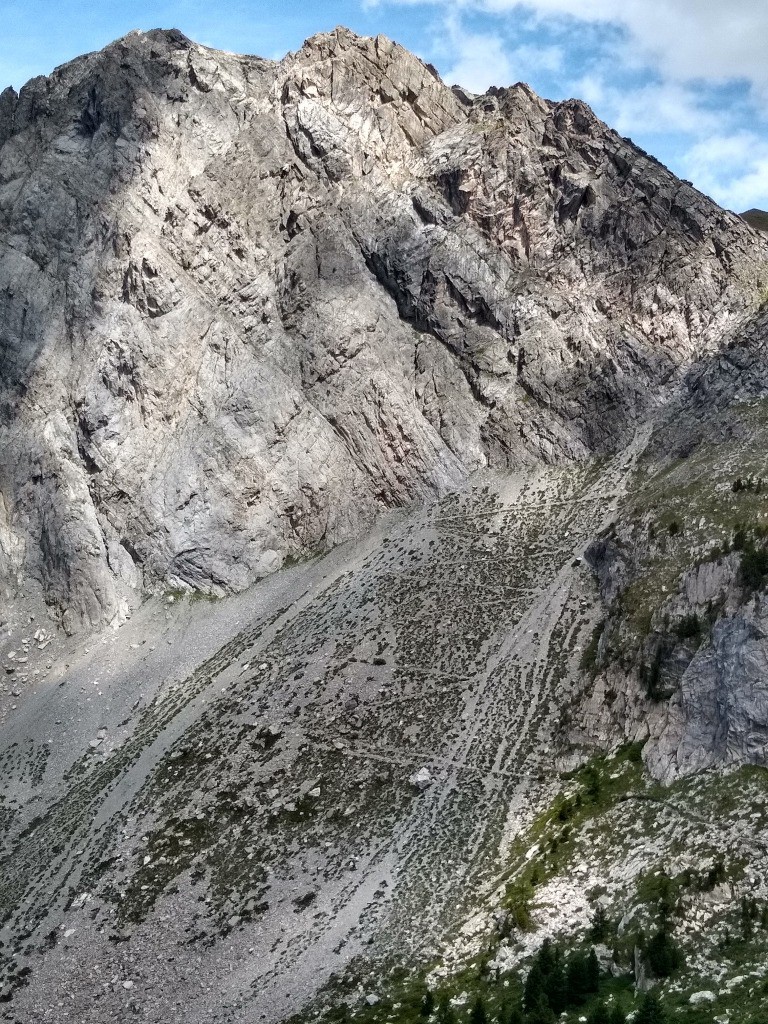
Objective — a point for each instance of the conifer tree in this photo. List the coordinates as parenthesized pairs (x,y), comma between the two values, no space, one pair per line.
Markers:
(546,957)
(599,927)
(556,985)
(578,982)
(533,992)
(542,1014)
(662,955)
(478,1014)
(651,1011)
(445,1012)
(592,971)
(511,1014)
(516,1016)
(599,1015)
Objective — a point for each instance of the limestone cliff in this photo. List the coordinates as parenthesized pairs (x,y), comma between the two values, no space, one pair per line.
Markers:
(248,305)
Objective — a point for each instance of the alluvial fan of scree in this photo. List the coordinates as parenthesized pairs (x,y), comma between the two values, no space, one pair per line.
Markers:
(383,553)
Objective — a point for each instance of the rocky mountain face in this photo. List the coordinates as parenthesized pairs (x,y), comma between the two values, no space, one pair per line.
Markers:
(487,384)
(247,305)
(758,219)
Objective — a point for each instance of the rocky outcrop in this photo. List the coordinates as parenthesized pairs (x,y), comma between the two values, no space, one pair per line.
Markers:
(248,305)
(8,101)
(719,716)
(680,663)
(610,560)
(707,408)
(718,712)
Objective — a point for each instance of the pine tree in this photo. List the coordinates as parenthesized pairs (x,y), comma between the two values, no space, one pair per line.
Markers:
(478,1014)
(445,1012)
(618,1016)
(533,992)
(592,971)
(748,915)
(546,957)
(662,955)
(593,783)
(556,985)
(541,1015)
(510,1014)
(651,1011)
(427,1004)
(599,927)
(599,1015)
(578,982)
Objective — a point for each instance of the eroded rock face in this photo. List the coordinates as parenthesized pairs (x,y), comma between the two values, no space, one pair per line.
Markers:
(719,717)
(711,709)
(247,305)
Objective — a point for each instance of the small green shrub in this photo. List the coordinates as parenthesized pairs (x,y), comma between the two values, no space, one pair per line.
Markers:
(519,898)
(588,661)
(689,627)
(754,566)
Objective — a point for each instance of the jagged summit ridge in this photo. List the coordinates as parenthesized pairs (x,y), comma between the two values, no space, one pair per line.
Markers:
(260,302)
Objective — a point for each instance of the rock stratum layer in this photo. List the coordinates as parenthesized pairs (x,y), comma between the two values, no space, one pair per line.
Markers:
(247,305)
(507,375)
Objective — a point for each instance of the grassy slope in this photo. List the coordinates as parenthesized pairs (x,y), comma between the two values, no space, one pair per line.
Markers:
(644,852)
(757,219)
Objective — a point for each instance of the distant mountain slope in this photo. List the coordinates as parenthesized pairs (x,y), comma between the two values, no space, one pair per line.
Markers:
(757,219)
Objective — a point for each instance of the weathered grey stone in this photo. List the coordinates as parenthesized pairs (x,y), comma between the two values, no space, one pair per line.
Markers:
(702,997)
(249,305)
(421,780)
(719,717)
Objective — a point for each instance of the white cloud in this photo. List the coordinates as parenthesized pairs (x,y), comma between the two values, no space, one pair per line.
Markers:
(686,78)
(480,64)
(733,168)
(653,108)
(478,60)
(684,40)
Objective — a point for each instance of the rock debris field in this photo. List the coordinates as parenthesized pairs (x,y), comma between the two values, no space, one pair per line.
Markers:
(341,776)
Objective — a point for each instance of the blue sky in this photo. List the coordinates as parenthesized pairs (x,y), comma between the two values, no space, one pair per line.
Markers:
(686,79)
